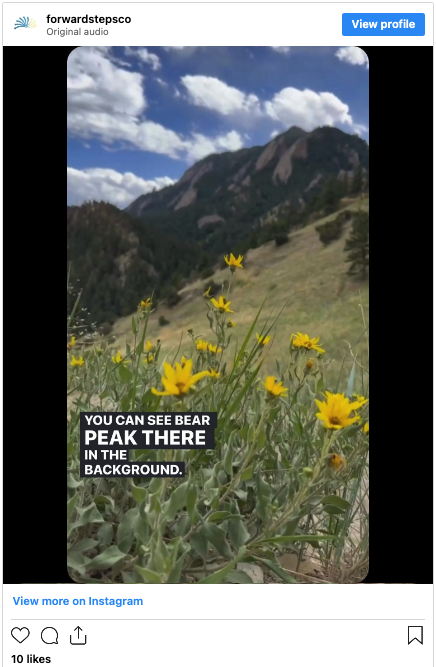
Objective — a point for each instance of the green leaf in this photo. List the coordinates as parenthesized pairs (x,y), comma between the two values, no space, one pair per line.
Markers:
(247,474)
(139,493)
(71,504)
(350,387)
(238,533)
(217,577)
(191,500)
(217,537)
(228,460)
(331,509)
(274,567)
(124,373)
(83,545)
(337,501)
(176,502)
(148,576)
(199,543)
(288,539)
(238,577)
(125,534)
(106,559)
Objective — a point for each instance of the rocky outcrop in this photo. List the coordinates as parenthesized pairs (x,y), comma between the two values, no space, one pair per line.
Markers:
(283,170)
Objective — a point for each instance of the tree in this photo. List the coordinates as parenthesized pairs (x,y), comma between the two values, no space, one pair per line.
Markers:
(331,195)
(357,245)
(357,182)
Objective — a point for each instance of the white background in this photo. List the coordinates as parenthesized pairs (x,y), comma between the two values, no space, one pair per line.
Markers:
(211,24)
(231,626)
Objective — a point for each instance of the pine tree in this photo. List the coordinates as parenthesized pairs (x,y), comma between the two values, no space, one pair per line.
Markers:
(357,245)
(357,182)
(331,195)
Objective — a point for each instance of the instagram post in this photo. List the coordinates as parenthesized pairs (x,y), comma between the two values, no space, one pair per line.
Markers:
(217,319)
(218,333)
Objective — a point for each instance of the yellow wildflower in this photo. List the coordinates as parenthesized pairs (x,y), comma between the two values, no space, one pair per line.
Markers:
(222,304)
(149,359)
(263,340)
(214,349)
(309,364)
(366,428)
(361,399)
(183,360)
(335,412)
(206,294)
(77,362)
(336,461)
(214,374)
(231,324)
(71,343)
(119,358)
(303,340)
(145,304)
(234,263)
(148,346)
(202,345)
(178,381)
(273,387)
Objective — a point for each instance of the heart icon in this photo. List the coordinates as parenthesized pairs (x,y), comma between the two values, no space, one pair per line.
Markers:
(20,634)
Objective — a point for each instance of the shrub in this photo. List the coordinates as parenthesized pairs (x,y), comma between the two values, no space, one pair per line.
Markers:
(163,321)
(330,231)
(281,239)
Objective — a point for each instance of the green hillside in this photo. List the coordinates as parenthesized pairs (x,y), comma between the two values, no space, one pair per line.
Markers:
(322,300)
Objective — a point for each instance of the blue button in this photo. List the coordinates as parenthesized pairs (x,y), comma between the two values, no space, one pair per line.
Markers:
(383,24)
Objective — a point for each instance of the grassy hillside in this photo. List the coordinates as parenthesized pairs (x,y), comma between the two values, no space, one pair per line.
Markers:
(322,300)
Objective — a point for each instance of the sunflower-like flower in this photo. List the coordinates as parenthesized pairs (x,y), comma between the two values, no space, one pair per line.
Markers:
(222,304)
(145,304)
(119,358)
(366,428)
(233,262)
(149,347)
(71,343)
(202,345)
(214,374)
(309,365)
(230,324)
(178,381)
(148,359)
(263,340)
(303,340)
(274,388)
(214,349)
(361,399)
(336,411)
(336,461)
(206,294)
(79,361)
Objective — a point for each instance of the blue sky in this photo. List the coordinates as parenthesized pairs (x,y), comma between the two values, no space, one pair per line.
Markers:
(138,117)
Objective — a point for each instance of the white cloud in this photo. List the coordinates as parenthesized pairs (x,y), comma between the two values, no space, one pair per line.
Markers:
(200,146)
(161,82)
(274,133)
(353,56)
(209,92)
(142,54)
(281,49)
(107,102)
(109,185)
(307,109)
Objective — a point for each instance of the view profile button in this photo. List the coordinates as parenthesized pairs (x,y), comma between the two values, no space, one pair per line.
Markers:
(415,632)
(399,25)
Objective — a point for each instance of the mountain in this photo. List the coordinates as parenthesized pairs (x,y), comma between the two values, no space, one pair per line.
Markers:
(225,203)
(245,184)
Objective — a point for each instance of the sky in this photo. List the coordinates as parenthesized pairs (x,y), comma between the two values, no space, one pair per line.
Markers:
(138,117)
